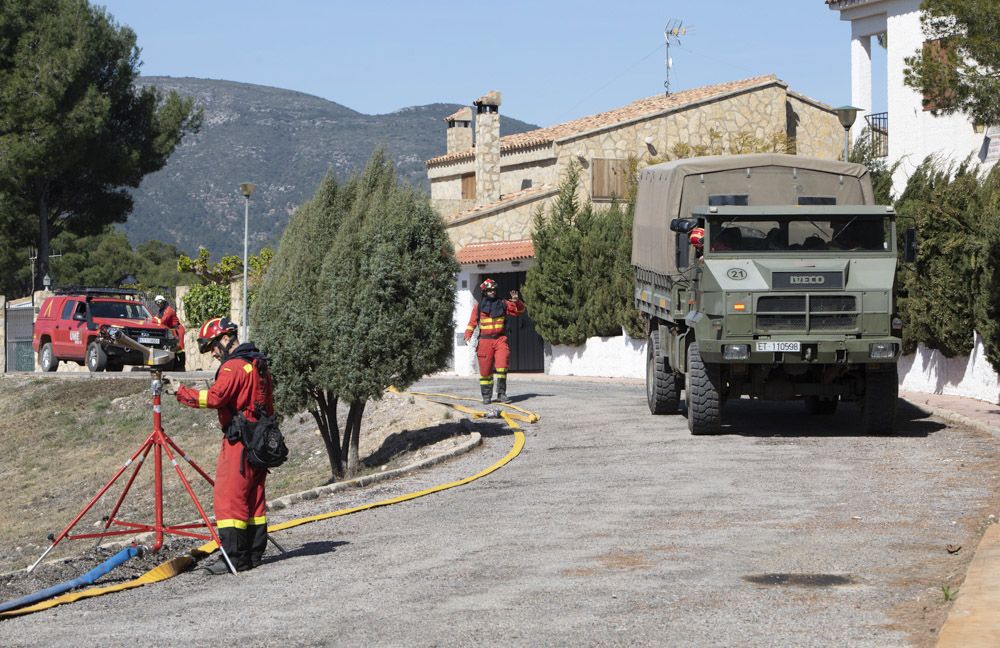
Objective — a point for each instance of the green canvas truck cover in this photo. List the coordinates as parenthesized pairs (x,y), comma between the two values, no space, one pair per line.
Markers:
(673,189)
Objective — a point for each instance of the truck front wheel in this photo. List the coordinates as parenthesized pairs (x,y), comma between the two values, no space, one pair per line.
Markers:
(878,407)
(704,404)
(663,387)
(47,359)
(97,359)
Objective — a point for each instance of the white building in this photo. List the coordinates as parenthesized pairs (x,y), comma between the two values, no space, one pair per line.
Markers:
(913,133)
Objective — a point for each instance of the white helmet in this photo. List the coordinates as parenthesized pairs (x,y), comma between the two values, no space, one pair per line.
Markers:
(159,299)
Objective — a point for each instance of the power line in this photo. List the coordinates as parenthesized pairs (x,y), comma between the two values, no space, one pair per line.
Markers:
(623,73)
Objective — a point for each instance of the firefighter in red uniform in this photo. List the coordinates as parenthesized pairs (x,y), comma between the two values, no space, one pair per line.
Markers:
(240,512)
(167,316)
(493,351)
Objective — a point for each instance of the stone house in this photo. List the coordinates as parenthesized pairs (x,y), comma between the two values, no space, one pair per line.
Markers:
(916,132)
(488,188)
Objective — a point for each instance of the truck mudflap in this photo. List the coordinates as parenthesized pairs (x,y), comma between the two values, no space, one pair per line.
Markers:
(811,351)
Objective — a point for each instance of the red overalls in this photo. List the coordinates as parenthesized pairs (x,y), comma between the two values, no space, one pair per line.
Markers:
(240,511)
(493,350)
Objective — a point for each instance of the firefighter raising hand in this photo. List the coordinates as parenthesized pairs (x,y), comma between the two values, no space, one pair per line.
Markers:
(514,296)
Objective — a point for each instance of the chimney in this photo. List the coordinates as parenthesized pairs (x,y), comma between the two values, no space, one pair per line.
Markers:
(487,147)
(459,130)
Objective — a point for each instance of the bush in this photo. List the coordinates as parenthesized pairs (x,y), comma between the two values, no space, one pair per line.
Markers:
(204,302)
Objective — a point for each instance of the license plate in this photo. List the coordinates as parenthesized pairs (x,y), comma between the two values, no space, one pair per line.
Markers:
(779,347)
(148,340)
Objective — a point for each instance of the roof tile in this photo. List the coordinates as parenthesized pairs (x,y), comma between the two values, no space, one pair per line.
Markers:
(635,110)
(496,251)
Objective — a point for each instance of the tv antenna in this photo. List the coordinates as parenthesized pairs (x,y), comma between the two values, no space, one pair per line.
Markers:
(672,32)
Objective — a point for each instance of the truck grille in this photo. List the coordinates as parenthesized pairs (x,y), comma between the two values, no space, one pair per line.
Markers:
(781,313)
(136,333)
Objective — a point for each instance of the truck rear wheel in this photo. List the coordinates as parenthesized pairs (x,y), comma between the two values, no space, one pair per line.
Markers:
(704,403)
(97,359)
(821,406)
(878,406)
(663,387)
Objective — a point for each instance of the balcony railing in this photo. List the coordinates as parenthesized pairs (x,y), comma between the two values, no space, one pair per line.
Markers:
(878,130)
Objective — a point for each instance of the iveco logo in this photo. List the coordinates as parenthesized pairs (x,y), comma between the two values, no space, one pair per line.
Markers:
(737,274)
(813,280)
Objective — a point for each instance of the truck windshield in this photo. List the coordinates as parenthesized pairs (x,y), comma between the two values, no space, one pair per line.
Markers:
(797,233)
(119,310)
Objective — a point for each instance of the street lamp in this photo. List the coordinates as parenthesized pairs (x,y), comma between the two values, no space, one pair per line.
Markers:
(246,189)
(847,115)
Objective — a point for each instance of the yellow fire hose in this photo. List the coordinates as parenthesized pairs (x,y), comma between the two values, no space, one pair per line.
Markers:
(178,565)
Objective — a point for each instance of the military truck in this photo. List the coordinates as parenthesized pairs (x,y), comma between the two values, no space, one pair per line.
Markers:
(788,297)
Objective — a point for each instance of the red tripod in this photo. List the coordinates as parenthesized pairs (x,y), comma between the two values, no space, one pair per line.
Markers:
(159,443)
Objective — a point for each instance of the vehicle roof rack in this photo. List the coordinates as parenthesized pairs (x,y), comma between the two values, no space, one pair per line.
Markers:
(90,293)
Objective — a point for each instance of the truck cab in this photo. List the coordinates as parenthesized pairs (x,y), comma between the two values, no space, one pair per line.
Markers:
(788,297)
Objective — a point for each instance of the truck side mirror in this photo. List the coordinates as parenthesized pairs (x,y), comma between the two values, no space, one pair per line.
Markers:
(682,225)
(910,245)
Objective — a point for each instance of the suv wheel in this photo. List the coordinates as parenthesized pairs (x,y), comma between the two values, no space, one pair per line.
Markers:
(47,358)
(704,402)
(663,386)
(97,359)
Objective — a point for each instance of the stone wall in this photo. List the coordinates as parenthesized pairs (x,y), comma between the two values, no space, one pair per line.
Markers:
(511,223)
(487,157)
(817,131)
(459,136)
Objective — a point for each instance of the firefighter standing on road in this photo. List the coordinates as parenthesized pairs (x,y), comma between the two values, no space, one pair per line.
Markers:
(240,512)
(493,351)
(167,316)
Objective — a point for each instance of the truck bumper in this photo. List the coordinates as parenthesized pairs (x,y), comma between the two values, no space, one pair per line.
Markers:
(812,351)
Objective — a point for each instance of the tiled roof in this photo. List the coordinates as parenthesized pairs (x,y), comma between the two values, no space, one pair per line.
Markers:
(636,110)
(504,200)
(496,251)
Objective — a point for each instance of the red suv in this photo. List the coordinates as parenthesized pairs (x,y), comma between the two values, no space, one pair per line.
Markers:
(68,322)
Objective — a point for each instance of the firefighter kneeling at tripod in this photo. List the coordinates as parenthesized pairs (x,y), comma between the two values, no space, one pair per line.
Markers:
(239,389)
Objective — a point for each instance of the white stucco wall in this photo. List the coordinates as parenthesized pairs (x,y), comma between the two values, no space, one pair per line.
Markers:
(970,376)
(614,357)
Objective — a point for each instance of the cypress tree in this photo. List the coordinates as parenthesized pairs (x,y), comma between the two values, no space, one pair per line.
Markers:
(988,293)
(288,316)
(553,286)
(936,302)
(390,293)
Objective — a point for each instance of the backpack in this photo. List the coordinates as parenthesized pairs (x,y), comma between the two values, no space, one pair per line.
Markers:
(263,443)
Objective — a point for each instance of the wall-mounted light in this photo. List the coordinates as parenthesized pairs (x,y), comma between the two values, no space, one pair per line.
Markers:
(648,141)
(481,266)
(515,263)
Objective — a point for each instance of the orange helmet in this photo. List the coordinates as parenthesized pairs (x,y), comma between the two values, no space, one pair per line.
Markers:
(489,284)
(212,330)
(697,237)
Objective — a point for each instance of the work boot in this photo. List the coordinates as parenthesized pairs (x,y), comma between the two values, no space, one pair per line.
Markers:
(502,389)
(217,568)
(234,543)
(257,537)
(487,391)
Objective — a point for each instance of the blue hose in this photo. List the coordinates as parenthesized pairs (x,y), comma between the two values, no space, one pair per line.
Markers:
(86,579)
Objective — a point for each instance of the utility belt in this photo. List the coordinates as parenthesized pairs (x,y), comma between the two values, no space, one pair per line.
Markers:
(490,337)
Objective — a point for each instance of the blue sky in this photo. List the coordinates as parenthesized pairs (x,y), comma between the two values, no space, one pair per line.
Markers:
(552,60)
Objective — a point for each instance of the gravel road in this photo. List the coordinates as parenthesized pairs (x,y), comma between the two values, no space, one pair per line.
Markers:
(613,527)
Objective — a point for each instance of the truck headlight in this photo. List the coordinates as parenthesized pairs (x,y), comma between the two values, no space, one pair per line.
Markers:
(882,350)
(736,351)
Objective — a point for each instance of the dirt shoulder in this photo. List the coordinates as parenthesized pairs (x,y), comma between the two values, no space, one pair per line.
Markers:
(63,440)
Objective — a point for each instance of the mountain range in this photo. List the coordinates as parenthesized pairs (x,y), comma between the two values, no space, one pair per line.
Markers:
(282,141)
